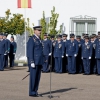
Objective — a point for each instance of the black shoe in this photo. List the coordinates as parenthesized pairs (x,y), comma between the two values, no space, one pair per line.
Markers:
(98,74)
(36,95)
(33,95)
(39,95)
(86,74)
(1,70)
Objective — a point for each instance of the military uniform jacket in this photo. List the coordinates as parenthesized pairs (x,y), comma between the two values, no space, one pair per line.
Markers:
(87,50)
(93,49)
(13,47)
(80,48)
(71,47)
(27,51)
(35,50)
(3,47)
(64,41)
(46,47)
(8,45)
(59,49)
(97,49)
(53,44)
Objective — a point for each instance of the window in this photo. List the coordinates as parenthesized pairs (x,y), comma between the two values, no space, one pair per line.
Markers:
(79,25)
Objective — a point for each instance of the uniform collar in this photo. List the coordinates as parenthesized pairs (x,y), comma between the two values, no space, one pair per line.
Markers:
(45,39)
(86,43)
(59,41)
(1,39)
(92,41)
(36,36)
(64,40)
(72,41)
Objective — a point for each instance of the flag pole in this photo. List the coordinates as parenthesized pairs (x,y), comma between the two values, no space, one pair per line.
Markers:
(25,31)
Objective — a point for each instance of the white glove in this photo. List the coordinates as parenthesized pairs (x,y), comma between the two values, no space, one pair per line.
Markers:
(89,57)
(75,55)
(32,65)
(5,54)
(82,58)
(66,55)
(13,53)
(49,54)
(62,56)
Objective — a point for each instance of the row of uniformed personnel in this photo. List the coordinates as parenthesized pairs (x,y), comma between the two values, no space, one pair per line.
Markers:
(67,55)
(73,55)
(7,48)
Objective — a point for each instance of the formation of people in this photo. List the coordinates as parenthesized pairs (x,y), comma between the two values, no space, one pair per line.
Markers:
(7,50)
(76,55)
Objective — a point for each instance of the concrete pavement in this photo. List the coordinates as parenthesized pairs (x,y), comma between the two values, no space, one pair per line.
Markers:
(64,86)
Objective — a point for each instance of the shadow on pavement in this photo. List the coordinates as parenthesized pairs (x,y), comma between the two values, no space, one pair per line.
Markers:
(58,91)
(10,69)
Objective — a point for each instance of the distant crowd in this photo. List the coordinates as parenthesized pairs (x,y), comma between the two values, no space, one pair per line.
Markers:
(7,50)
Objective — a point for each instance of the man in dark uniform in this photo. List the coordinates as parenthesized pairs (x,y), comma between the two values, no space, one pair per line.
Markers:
(97,54)
(8,49)
(46,53)
(28,61)
(83,35)
(13,48)
(93,60)
(79,63)
(71,53)
(86,55)
(58,54)
(3,51)
(65,59)
(36,60)
(52,60)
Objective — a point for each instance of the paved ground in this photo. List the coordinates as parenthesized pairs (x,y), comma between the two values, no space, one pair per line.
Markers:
(64,86)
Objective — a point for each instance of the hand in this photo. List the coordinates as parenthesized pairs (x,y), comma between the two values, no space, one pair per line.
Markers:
(49,54)
(32,65)
(82,58)
(75,55)
(66,55)
(62,56)
(89,57)
(5,54)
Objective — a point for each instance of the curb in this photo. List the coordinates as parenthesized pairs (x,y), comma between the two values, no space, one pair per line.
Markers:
(20,64)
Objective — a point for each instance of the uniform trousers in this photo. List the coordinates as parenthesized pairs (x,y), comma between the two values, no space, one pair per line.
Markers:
(35,74)
(98,66)
(86,65)
(58,64)
(71,64)
(1,62)
(6,61)
(45,64)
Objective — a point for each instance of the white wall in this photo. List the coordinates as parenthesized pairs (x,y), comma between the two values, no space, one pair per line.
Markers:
(66,9)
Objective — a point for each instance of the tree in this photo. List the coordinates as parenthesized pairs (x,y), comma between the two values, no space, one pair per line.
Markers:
(53,22)
(43,24)
(60,29)
(14,24)
(17,25)
(28,28)
(2,23)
